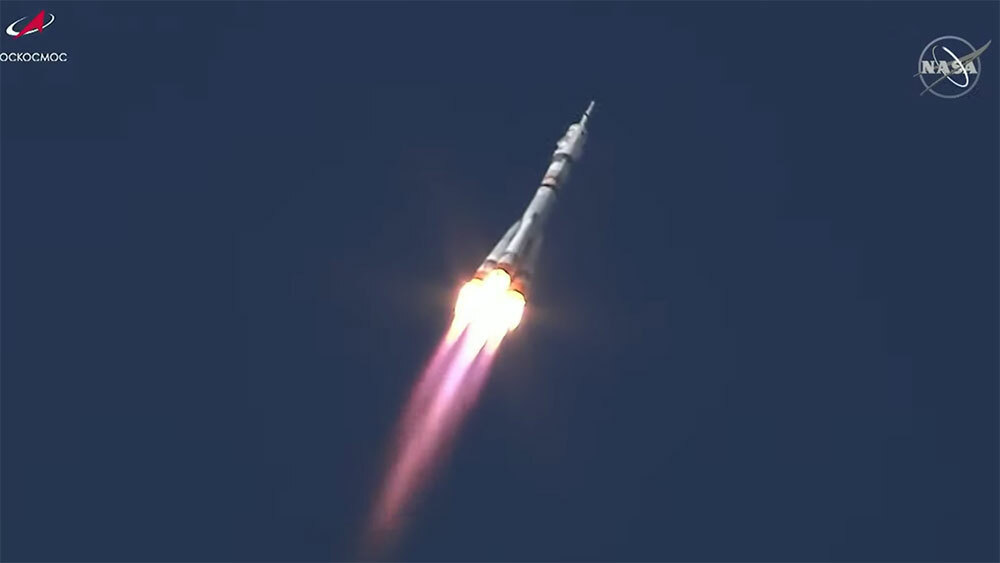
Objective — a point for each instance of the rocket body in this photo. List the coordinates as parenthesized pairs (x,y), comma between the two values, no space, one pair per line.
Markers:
(517,251)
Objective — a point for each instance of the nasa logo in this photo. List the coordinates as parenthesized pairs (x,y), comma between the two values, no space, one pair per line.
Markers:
(36,24)
(946,74)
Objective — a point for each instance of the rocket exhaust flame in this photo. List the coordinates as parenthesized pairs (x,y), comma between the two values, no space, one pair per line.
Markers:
(485,311)
(487,308)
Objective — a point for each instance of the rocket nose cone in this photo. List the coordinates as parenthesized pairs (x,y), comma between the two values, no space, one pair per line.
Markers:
(586,114)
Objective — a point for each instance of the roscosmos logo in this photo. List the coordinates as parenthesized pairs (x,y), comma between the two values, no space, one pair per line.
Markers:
(37,23)
(26,26)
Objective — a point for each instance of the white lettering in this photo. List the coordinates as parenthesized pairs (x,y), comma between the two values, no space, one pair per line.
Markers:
(33,57)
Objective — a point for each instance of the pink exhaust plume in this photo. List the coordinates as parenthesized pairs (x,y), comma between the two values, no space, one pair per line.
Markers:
(485,311)
(445,392)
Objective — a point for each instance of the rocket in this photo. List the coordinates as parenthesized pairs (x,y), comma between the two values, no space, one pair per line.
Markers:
(516,253)
(487,308)
(491,304)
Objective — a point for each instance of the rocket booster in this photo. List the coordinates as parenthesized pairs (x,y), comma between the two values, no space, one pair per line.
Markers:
(517,251)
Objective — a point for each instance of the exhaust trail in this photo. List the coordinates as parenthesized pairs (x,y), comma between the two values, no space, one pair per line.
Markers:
(442,397)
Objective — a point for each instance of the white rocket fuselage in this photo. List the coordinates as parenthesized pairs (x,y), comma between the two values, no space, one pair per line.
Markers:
(517,251)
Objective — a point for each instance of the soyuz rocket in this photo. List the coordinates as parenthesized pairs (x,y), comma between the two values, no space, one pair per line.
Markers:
(487,308)
(491,304)
(516,253)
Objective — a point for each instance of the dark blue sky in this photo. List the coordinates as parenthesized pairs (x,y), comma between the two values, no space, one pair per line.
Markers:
(765,324)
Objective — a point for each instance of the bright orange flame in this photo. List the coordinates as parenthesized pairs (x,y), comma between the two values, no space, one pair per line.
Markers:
(488,308)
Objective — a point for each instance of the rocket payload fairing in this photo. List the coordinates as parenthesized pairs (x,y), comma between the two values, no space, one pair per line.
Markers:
(516,253)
